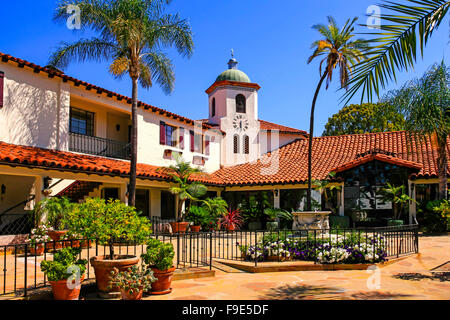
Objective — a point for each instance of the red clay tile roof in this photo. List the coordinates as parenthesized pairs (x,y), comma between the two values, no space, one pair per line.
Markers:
(11,154)
(330,153)
(379,157)
(266,125)
(90,87)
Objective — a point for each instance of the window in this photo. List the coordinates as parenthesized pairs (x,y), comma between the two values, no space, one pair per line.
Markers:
(168,135)
(81,122)
(213,107)
(199,161)
(240,104)
(246,145)
(236,144)
(196,142)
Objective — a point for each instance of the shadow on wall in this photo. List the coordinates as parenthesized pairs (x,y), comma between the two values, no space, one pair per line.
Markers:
(30,114)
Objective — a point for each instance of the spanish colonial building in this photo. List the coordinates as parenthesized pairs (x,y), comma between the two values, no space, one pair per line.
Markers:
(63,136)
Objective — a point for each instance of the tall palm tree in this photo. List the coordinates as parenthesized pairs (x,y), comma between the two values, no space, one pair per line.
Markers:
(338,50)
(425,103)
(131,34)
(181,172)
(405,27)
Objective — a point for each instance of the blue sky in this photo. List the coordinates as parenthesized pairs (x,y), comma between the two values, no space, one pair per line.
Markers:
(271,40)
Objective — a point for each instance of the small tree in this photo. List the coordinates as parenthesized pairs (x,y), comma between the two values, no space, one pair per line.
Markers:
(108,222)
(52,211)
(398,197)
(181,172)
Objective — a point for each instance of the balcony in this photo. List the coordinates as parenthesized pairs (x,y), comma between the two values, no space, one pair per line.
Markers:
(99,146)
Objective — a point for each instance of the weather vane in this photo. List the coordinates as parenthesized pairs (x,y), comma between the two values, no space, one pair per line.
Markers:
(232,53)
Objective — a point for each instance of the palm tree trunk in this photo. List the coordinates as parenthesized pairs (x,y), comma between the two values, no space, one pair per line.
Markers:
(311,135)
(133,162)
(442,168)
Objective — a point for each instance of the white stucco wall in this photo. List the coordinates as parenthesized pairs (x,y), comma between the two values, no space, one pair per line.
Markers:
(36,109)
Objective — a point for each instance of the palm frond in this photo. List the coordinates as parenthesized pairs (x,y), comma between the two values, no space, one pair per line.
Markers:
(394,47)
(161,69)
(85,49)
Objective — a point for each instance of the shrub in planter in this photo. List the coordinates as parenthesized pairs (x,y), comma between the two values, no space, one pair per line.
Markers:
(132,282)
(159,257)
(391,223)
(433,217)
(198,216)
(109,222)
(37,239)
(274,215)
(232,220)
(65,273)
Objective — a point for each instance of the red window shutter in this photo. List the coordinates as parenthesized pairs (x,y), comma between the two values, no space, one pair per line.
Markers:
(162,133)
(2,79)
(207,142)
(181,138)
(192,141)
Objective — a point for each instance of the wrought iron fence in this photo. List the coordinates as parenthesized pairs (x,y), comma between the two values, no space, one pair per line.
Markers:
(20,263)
(375,244)
(99,146)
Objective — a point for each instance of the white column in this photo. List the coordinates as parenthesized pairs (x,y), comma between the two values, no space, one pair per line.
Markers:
(342,202)
(412,204)
(276,199)
(37,192)
(123,193)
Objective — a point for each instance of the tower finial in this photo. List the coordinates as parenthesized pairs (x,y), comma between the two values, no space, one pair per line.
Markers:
(232,53)
(232,64)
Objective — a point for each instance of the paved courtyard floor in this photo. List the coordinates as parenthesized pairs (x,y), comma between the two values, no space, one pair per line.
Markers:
(410,278)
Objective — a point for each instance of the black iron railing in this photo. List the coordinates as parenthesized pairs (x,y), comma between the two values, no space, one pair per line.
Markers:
(319,246)
(20,263)
(99,146)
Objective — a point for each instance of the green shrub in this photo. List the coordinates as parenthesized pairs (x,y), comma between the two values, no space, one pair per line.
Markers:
(64,265)
(199,216)
(108,222)
(132,280)
(433,221)
(159,255)
(53,211)
(339,222)
(395,223)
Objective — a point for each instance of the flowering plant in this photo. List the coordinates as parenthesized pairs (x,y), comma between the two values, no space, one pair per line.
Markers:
(132,280)
(39,235)
(232,219)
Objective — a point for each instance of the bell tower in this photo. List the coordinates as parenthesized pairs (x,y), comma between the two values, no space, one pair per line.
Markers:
(233,106)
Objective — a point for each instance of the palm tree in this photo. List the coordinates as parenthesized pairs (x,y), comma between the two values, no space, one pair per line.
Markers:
(338,50)
(181,173)
(131,34)
(425,103)
(405,28)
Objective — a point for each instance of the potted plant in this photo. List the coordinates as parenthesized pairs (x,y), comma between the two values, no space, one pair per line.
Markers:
(65,273)
(109,222)
(273,215)
(132,282)
(37,239)
(159,257)
(232,220)
(198,216)
(52,211)
(217,208)
(181,173)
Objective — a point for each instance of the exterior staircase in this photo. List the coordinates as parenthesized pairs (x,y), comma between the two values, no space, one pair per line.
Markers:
(78,190)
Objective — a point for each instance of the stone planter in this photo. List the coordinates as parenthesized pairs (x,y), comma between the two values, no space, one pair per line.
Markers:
(195,228)
(37,250)
(56,235)
(103,267)
(311,220)
(179,227)
(126,295)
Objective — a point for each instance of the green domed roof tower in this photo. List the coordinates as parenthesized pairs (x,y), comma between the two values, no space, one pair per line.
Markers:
(233,74)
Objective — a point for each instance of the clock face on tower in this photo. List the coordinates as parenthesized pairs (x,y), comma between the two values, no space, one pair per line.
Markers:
(240,123)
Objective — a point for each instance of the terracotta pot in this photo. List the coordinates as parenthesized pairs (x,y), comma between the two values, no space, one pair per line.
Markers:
(195,228)
(62,292)
(179,227)
(56,235)
(37,250)
(231,227)
(162,285)
(103,267)
(126,295)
